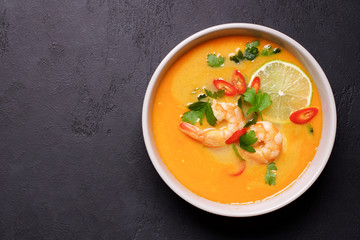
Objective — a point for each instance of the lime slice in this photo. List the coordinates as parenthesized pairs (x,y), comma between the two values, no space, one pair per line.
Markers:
(289,87)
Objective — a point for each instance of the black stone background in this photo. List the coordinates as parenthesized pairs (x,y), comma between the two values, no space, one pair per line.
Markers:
(73,164)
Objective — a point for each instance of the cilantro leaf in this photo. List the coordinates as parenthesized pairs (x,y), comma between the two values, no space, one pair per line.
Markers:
(209,93)
(214,61)
(263,100)
(268,50)
(251,50)
(210,117)
(240,101)
(217,94)
(253,44)
(220,93)
(247,140)
(248,148)
(197,106)
(250,96)
(270,177)
(237,57)
(252,121)
(237,152)
(259,100)
(276,50)
(198,109)
(201,96)
(193,116)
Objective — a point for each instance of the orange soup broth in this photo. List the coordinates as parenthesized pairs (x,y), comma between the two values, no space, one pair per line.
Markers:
(208,171)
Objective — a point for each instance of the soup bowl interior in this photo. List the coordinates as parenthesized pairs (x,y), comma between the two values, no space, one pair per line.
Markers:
(328,132)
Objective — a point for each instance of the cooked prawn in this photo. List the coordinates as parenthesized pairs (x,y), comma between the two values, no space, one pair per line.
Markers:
(229,112)
(268,144)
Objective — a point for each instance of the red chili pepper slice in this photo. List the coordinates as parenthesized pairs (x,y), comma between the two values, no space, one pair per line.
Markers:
(229,89)
(238,81)
(235,137)
(303,115)
(243,166)
(256,84)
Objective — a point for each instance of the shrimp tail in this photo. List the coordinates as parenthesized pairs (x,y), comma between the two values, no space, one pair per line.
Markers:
(192,131)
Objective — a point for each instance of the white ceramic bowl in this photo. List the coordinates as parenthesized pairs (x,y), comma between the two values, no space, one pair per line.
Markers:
(328,131)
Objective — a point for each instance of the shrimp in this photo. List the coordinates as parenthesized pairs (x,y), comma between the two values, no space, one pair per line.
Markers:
(268,144)
(229,112)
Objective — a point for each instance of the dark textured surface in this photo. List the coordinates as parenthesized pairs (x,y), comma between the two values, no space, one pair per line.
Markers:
(73,164)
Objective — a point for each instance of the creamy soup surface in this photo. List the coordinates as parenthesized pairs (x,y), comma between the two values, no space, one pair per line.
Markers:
(208,172)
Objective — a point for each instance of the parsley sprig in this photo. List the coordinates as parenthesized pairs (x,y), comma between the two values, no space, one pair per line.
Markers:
(217,94)
(247,140)
(250,53)
(215,61)
(201,96)
(239,56)
(252,121)
(268,50)
(197,112)
(259,100)
(251,50)
(270,177)
(240,102)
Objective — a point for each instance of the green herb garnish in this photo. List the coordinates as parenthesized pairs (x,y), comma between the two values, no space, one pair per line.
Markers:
(310,129)
(251,50)
(193,116)
(247,140)
(215,61)
(252,121)
(217,94)
(237,57)
(268,50)
(210,117)
(201,96)
(259,100)
(250,53)
(271,174)
(198,109)
(240,103)
(237,152)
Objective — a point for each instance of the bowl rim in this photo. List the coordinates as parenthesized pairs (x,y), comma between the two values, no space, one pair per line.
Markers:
(198,200)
